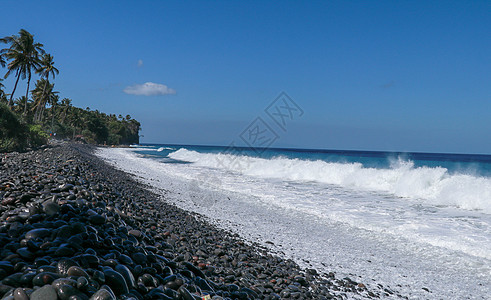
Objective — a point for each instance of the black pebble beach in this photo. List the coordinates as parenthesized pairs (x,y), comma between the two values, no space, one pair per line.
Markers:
(73,227)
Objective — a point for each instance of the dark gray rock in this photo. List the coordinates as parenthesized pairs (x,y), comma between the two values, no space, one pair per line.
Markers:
(46,292)
(116,282)
(38,233)
(51,208)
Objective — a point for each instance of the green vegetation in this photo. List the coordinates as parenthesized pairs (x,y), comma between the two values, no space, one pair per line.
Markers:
(16,135)
(29,122)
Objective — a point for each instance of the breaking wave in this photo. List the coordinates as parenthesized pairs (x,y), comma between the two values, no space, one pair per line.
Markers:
(434,185)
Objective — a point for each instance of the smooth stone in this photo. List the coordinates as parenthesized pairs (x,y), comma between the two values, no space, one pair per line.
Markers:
(5,289)
(64,250)
(102,294)
(80,296)
(127,275)
(26,279)
(139,258)
(169,279)
(3,274)
(66,187)
(26,197)
(97,219)
(46,292)
(63,281)
(44,278)
(116,281)
(66,291)
(32,246)
(125,259)
(203,284)
(38,262)
(77,272)
(65,264)
(38,233)
(193,269)
(99,276)
(110,262)
(157,294)
(185,294)
(25,253)
(51,208)
(20,294)
(89,259)
(78,227)
(6,266)
(250,292)
(47,268)
(82,282)
(64,232)
(135,233)
(147,280)
(108,293)
(13,280)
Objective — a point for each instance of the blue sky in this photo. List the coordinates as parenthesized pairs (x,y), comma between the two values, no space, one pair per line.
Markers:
(370,75)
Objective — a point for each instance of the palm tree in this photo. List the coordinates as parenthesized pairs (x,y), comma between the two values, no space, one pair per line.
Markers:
(43,93)
(20,103)
(2,93)
(53,102)
(47,68)
(39,99)
(23,55)
(66,104)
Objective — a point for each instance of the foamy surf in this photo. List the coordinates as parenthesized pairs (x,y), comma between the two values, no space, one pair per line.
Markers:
(406,243)
(433,185)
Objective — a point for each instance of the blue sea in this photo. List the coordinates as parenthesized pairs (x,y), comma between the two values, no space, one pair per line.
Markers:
(417,223)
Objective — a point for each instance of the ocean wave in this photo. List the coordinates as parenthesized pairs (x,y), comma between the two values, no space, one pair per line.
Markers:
(432,184)
(165,148)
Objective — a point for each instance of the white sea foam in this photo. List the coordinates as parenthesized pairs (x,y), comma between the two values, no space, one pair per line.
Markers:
(433,185)
(338,222)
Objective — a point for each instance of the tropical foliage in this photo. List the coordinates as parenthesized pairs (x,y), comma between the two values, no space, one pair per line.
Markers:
(16,135)
(28,122)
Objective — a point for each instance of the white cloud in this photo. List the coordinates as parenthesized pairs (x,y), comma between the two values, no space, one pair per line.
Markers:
(149,89)
(140,63)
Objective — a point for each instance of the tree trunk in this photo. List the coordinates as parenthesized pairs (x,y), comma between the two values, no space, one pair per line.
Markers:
(41,111)
(64,116)
(52,118)
(11,103)
(43,101)
(27,94)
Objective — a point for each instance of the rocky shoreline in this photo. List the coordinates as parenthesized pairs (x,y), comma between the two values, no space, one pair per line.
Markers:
(73,227)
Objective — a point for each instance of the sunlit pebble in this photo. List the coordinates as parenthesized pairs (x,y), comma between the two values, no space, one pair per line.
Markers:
(202,266)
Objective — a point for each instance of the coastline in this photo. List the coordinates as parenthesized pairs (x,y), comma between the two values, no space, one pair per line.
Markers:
(131,222)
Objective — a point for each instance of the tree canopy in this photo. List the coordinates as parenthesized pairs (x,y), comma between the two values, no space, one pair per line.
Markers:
(27,122)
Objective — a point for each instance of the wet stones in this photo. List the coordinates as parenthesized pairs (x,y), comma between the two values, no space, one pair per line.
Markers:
(97,219)
(127,275)
(75,271)
(64,265)
(82,230)
(38,233)
(116,281)
(47,292)
(51,208)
